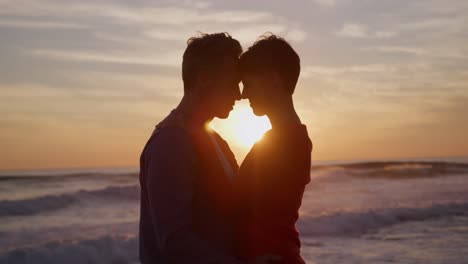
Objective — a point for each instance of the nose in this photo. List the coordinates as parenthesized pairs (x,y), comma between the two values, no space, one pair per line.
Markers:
(237,95)
(244,93)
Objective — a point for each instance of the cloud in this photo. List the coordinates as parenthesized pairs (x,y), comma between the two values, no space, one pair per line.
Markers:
(436,7)
(151,19)
(426,18)
(120,14)
(442,52)
(30,90)
(296,35)
(326,3)
(360,59)
(310,70)
(121,39)
(401,49)
(202,4)
(135,26)
(250,34)
(94,88)
(245,34)
(172,59)
(447,23)
(179,34)
(353,30)
(34,24)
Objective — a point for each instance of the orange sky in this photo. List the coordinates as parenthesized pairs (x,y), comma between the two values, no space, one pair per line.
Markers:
(82,84)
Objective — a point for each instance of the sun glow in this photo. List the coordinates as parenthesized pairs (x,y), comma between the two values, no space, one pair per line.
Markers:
(243,128)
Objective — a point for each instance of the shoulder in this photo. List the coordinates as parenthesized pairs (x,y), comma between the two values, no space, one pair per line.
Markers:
(219,138)
(226,150)
(296,138)
(169,140)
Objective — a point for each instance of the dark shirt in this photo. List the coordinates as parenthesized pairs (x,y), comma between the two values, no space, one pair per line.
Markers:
(269,190)
(181,218)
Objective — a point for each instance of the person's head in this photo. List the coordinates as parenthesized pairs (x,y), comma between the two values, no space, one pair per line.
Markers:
(269,71)
(210,72)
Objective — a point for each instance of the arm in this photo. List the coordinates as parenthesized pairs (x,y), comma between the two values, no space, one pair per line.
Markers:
(170,186)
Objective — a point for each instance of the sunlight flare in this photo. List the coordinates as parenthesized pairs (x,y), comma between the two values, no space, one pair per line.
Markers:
(242,127)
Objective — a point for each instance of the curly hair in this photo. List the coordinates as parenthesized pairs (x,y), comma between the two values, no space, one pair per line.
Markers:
(207,52)
(271,52)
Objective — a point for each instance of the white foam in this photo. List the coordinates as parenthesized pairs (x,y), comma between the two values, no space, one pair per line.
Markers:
(357,223)
(55,202)
(106,249)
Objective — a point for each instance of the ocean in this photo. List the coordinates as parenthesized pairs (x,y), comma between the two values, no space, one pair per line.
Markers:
(355,212)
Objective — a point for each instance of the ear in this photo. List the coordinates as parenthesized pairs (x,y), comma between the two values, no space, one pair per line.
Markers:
(199,83)
(202,85)
(203,80)
(275,80)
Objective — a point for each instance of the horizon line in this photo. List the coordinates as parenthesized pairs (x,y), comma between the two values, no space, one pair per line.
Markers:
(134,167)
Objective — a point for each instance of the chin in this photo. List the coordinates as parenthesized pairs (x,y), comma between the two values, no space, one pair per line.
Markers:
(223,114)
(258,112)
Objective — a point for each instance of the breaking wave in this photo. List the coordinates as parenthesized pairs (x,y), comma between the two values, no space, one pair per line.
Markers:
(106,249)
(54,202)
(357,223)
(395,169)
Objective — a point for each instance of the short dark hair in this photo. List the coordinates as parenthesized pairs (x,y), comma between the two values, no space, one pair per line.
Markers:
(207,52)
(271,52)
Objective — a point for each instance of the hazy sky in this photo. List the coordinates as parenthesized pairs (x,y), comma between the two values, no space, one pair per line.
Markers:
(82,83)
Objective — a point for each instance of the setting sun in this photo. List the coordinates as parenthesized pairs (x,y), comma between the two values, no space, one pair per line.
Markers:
(243,128)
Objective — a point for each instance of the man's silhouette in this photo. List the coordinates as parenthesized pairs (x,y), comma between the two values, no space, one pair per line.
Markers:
(186,169)
(272,178)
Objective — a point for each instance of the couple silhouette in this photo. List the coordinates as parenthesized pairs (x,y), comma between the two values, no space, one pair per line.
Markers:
(197,204)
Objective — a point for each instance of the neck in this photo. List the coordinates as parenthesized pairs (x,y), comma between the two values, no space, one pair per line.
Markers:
(284,114)
(193,112)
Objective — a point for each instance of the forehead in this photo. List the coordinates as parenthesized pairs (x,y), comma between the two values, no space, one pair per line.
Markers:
(229,67)
(230,63)
(253,76)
